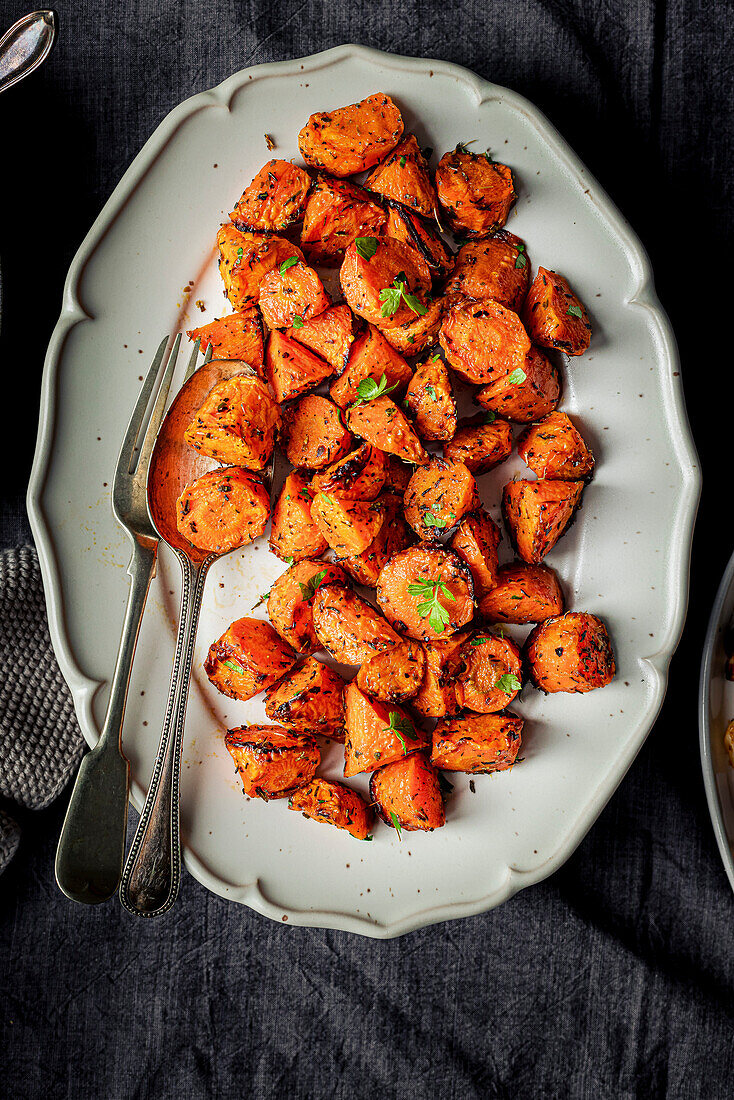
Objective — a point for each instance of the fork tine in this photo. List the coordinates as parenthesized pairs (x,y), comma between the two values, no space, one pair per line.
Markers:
(209,354)
(156,418)
(127,450)
(191,367)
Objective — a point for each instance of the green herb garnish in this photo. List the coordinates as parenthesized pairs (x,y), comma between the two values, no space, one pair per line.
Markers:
(366,247)
(479,641)
(508,682)
(309,588)
(489,417)
(430,390)
(287,263)
(235,667)
(522,259)
(402,162)
(430,606)
(575,311)
(238,261)
(262,600)
(297,321)
(390,296)
(396,823)
(400,725)
(431,520)
(368,390)
(517,376)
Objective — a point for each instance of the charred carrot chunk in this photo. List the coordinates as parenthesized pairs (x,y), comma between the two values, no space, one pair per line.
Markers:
(411,229)
(554,316)
(385,287)
(294,534)
(426,592)
(349,526)
(403,176)
(475,541)
(248,658)
(382,424)
(223,509)
(418,331)
(334,804)
(477,743)
(348,627)
(272,761)
(377,733)
(537,513)
(292,370)
(274,200)
(555,449)
(496,268)
(394,675)
(244,261)
(475,192)
(290,293)
(394,535)
(489,673)
(437,694)
(330,335)
(310,699)
(360,475)
(372,357)
(290,601)
(484,341)
(314,432)
(236,424)
(239,336)
(351,139)
(438,497)
(430,399)
(523,594)
(529,393)
(336,214)
(397,475)
(408,795)
(481,443)
(571,653)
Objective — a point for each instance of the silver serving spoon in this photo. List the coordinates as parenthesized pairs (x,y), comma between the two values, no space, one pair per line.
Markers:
(26,46)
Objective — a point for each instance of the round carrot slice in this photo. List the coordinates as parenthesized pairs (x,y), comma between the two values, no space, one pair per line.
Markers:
(475,192)
(309,699)
(426,592)
(348,627)
(360,475)
(381,423)
(555,449)
(290,291)
(392,266)
(523,594)
(290,601)
(272,761)
(315,433)
(555,317)
(477,743)
(395,674)
(476,540)
(408,795)
(223,509)
(481,443)
(351,139)
(484,341)
(236,424)
(438,496)
(247,659)
(488,678)
(334,804)
(496,268)
(274,200)
(570,653)
(527,394)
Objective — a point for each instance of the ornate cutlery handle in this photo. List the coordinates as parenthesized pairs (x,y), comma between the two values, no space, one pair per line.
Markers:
(152,872)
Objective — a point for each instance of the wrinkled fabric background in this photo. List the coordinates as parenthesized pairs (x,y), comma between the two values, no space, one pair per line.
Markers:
(616,977)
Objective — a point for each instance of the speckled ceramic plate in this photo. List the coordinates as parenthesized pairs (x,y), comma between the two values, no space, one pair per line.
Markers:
(626,558)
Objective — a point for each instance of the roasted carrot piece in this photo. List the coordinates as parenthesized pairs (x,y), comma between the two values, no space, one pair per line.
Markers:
(403,176)
(417,332)
(291,597)
(411,229)
(475,541)
(348,627)
(349,526)
(430,399)
(272,761)
(248,658)
(292,370)
(475,192)
(496,268)
(351,139)
(394,535)
(336,214)
(438,497)
(527,394)
(334,804)
(294,534)
(238,336)
(477,743)
(371,357)
(223,509)
(392,265)
(537,513)
(360,475)
(291,293)
(397,475)
(314,431)
(555,448)
(394,675)
(382,424)
(408,796)
(310,699)
(523,594)
(377,732)
(489,673)
(244,261)
(437,694)
(236,424)
(554,316)
(274,200)
(481,443)
(330,335)
(571,653)
(484,341)
(426,592)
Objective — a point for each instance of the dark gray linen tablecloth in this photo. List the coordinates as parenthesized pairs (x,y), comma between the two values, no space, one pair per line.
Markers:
(616,977)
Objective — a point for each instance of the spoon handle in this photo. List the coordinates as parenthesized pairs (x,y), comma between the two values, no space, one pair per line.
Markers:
(152,873)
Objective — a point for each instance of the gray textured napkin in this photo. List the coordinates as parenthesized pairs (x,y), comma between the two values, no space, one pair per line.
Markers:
(40,741)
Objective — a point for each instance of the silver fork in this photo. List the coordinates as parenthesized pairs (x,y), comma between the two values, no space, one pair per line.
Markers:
(91,848)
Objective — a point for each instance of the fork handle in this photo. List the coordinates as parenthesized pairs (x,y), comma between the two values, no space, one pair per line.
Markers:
(152,873)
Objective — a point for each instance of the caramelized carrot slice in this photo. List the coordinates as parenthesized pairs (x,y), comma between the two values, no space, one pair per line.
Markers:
(537,513)
(409,228)
(377,732)
(290,293)
(349,526)
(571,653)
(239,336)
(475,541)
(417,332)
(394,535)
(477,743)
(527,394)
(351,139)
(475,192)
(481,443)
(438,496)
(489,675)
(371,357)
(290,600)
(555,449)
(244,261)
(394,675)
(334,804)
(348,627)
(554,316)
(408,795)
(315,433)
(426,592)
(236,424)
(496,268)
(437,694)
(223,509)
(336,214)
(430,399)
(274,200)
(310,699)
(484,341)
(523,594)
(391,265)
(294,534)
(381,423)
(360,475)
(330,335)
(291,369)
(248,658)
(403,176)
(272,761)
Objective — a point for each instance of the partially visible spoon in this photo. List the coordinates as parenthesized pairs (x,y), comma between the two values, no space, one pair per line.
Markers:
(26,46)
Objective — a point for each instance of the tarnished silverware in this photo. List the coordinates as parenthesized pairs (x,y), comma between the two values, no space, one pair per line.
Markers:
(26,46)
